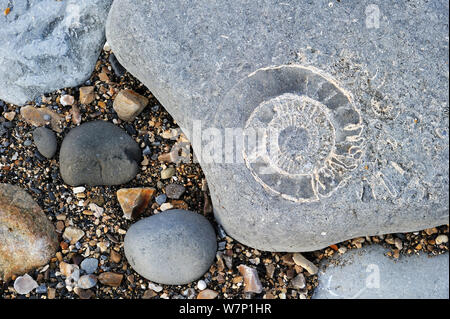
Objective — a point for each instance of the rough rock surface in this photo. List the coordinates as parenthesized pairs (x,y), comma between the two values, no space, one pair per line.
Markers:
(45,141)
(367,273)
(183,242)
(98,153)
(41,116)
(134,201)
(128,104)
(360,106)
(28,239)
(48,45)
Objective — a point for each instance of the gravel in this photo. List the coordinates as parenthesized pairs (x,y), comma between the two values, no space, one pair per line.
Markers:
(98,214)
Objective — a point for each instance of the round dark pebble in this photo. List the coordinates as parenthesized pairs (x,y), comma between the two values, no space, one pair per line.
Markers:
(45,141)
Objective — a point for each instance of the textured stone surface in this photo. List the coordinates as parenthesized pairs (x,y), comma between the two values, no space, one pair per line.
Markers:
(367,273)
(45,141)
(173,247)
(360,105)
(134,201)
(98,153)
(28,239)
(41,116)
(87,94)
(48,45)
(128,104)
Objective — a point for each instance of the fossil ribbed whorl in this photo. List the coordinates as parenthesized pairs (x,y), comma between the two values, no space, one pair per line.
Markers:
(311,132)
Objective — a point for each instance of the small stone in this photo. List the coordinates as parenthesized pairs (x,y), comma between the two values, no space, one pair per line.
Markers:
(87,281)
(73,234)
(76,114)
(10,115)
(201,285)
(167,172)
(66,100)
(175,191)
(207,294)
(161,199)
(305,263)
(89,265)
(342,250)
(110,279)
(179,204)
(251,279)
(154,287)
(115,257)
(79,189)
(134,201)
(25,284)
(148,294)
(128,104)
(431,231)
(87,95)
(103,76)
(270,269)
(51,293)
(67,270)
(166,206)
(83,293)
(298,282)
(441,239)
(41,116)
(45,141)
(398,243)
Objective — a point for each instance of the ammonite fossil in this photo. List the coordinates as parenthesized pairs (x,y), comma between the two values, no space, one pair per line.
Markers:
(311,130)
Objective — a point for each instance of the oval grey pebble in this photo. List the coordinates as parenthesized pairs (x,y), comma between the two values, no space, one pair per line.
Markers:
(45,141)
(89,265)
(183,241)
(87,281)
(161,199)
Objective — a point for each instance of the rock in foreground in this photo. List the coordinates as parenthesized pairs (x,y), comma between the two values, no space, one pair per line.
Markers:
(98,153)
(27,238)
(344,139)
(174,247)
(48,45)
(366,273)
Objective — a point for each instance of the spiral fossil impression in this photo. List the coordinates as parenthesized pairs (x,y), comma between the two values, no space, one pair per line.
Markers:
(312,131)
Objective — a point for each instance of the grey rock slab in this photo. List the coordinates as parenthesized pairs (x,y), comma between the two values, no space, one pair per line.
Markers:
(174,247)
(352,99)
(367,273)
(98,153)
(48,45)
(45,141)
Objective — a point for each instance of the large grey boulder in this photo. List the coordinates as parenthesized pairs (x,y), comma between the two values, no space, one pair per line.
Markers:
(174,247)
(351,98)
(98,153)
(48,45)
(367,273)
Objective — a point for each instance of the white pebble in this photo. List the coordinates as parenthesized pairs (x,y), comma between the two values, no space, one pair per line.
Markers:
(166,206)
(201,285)
(25,284)
(79,189)
(441,239)
(155,288)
